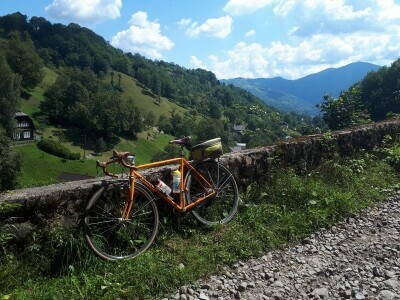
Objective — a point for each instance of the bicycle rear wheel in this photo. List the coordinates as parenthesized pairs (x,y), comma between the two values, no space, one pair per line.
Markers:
(108,234)
(221,208)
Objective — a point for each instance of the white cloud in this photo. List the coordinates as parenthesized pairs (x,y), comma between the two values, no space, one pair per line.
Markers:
(215,27)
(85,11)
(143,36)
(197,63)
(338,16)
(310,55)
(250,33)
(323,34)
(243,7)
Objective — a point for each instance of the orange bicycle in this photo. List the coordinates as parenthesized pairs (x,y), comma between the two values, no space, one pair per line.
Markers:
(121,218)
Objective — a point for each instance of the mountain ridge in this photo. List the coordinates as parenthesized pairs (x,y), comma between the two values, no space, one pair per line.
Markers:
(303,94)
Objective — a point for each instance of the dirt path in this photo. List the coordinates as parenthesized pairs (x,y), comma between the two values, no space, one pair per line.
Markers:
(356,259)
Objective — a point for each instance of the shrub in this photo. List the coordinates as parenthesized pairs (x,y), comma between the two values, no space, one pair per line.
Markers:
(57,149)
(10,164)
(393,156)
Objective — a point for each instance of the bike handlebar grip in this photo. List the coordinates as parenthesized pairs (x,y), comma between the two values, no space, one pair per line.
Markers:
(120,155)
(101,164)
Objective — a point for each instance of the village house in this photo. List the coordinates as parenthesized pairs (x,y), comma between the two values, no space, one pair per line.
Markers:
(25,129)
(239,128)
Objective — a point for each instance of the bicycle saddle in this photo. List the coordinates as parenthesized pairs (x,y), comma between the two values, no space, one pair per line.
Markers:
(183,141)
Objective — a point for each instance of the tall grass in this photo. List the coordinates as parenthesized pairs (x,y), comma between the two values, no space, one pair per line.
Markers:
(287,208)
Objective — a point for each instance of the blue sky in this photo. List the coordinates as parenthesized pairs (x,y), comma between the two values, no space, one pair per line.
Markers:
(246,38)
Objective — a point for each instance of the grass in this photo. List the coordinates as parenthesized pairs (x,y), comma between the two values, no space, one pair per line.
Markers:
(145,149)
(286,209)
(40,168)
(31,106)
(144,102)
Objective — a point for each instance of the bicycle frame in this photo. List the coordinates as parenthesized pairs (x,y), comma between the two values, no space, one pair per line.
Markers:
(182,206)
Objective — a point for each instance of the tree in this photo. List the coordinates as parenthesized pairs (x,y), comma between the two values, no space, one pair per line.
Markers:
(215,110)
(100,145)
(171,151)
(100,64)
(380,91)
(14,22)
(10,164)
(9,96)
(346,111)
(150,119)
(23,59)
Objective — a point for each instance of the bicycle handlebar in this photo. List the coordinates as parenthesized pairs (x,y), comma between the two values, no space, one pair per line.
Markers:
(117,157)
(104,165)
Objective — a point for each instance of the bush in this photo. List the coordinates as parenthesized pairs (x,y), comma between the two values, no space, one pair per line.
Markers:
(57,149)
(10,164)
(393,156)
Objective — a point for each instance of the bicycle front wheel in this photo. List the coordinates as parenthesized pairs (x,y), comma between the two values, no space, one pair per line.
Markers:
(221,208)
(108,234)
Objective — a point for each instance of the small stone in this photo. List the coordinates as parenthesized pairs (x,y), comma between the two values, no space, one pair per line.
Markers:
(278,284)
(203,296)
(321,292)
(359,296)
(257,268)
(190,292)
(183,297)
(376,272)
(345,294)
(205,286)
(251,285)
(242,286)
(387,295)
(277,296)
(393,284)
(238,295)
(390,274)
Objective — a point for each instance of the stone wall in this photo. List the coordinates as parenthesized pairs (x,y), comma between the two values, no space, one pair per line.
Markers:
(66,201)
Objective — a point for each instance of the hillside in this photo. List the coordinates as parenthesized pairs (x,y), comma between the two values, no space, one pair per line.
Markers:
(376,97)
(303,94)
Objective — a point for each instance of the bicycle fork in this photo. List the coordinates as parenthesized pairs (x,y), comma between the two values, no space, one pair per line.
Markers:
(130,201)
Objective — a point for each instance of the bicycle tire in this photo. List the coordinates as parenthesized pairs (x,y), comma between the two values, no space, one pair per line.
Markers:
(122,239)
(221,208)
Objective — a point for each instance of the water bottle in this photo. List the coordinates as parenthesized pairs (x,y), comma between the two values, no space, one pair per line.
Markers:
(163,187)
(176,182)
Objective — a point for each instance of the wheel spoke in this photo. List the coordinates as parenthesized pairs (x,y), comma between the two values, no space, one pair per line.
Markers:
(220,208)
(112,237)
(102,222)
(143,206)
(224,184)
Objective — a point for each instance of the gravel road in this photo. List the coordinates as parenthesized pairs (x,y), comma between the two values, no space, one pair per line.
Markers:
(358,258)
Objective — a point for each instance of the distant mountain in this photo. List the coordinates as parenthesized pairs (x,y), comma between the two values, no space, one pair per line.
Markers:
(301,95)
